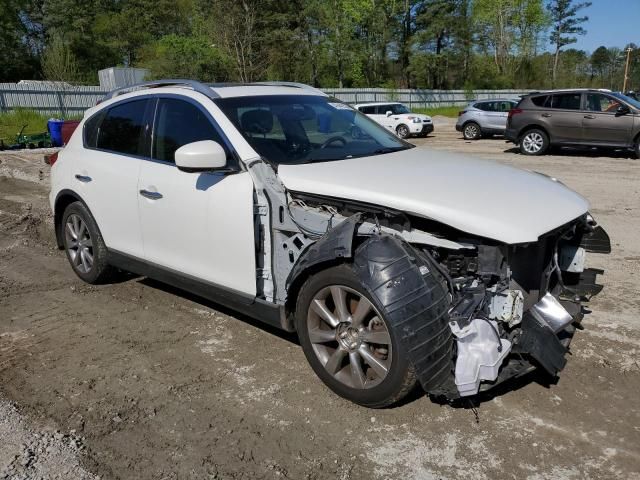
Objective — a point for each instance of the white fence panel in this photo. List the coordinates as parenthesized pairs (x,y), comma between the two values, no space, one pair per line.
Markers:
(74,100)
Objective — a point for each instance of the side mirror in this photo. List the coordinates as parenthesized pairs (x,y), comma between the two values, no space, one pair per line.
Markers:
(202,156)
(389,113)
(623,110)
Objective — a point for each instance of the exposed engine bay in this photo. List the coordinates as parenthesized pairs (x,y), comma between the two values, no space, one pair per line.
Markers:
(510,308)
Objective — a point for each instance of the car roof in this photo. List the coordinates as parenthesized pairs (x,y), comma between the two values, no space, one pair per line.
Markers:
(495,100)
(569,90)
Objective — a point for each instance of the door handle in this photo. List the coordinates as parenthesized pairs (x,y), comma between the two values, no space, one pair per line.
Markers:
(546,115)
(151,195)
(83,178)
(590,117)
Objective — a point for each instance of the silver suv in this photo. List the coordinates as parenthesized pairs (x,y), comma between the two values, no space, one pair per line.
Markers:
(484,118)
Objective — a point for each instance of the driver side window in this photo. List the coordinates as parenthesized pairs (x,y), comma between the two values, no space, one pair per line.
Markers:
(178,123)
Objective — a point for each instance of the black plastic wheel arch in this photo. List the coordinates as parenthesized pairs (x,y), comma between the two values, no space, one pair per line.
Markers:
(415,301)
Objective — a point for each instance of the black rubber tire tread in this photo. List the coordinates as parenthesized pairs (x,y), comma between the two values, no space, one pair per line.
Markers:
(636,147)
(400,380)
(390,268)
(101,271)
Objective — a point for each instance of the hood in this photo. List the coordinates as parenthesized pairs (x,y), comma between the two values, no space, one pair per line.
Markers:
(476,196)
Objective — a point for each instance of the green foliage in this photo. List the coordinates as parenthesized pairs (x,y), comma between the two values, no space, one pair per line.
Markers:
(186,57)
(443,111)
(12,122)
(431,44)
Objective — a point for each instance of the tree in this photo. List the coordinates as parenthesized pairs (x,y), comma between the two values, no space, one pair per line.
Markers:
(565,25)
(18,60)
(59,63)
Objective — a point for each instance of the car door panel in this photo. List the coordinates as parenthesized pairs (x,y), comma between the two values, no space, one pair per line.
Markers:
(198,224)
(108,179)
(601,123)
(565,118)
(202,225)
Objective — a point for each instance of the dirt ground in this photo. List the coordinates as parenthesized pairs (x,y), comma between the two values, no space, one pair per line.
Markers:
(162,385)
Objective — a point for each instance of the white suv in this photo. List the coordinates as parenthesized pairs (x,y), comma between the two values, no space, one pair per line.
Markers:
(393,264)
(397,118)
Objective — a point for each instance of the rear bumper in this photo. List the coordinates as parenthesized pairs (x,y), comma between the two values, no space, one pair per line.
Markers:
(458,127)
(511,135)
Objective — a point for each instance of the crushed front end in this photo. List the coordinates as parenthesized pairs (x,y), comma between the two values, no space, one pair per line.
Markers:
(516,307)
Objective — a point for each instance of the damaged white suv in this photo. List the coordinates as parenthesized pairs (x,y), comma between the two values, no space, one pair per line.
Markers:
(394,264)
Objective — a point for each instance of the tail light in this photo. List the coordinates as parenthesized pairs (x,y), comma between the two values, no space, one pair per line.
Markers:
(461,112)
(514,111)
(51,159)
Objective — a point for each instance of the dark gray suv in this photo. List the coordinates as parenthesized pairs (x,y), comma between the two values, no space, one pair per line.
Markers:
(594,118)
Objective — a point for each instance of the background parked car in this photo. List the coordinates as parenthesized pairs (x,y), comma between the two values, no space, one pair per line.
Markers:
(398,118)
(581,117)
(484,118)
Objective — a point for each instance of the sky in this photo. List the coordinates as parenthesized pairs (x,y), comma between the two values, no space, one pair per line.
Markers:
(612,23)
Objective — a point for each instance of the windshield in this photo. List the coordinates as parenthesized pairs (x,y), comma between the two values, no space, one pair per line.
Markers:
(634,103)
(287,129)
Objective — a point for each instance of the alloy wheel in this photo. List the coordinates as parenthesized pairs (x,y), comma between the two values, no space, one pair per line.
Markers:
(403,132)
(349,337)
(532,142)
(79,243)
(471,131)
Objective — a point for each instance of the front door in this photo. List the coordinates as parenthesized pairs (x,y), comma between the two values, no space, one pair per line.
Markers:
(198,224)
(603,124)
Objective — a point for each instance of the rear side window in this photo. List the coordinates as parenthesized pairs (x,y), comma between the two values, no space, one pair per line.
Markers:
(566,101)
(122,129)
(91,127)
(542,101)
(486,106)
(179,123)
(368,110)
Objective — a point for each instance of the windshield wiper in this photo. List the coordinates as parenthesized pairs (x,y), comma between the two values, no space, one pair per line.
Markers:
(389,150)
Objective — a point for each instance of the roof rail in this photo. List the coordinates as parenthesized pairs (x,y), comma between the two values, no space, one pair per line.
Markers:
(290,84)
(193,84)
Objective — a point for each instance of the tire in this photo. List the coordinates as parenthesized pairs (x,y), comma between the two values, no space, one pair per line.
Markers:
(343,356)
(88,257)
(403,131)
(636,148)
(534,142)
(472,131)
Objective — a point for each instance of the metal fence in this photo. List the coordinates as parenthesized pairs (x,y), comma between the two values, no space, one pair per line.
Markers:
(73,100)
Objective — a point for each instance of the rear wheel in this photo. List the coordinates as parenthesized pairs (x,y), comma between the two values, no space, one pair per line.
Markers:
(347,340)
(636,148)
(84,245)
(402,131)
(534,142)
(472,131)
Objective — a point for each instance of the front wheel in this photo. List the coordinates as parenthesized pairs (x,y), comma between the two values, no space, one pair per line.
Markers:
(402,131)
(534,142)
(348,342)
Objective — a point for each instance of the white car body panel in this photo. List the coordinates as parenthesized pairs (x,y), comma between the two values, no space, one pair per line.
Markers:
(476,196)
(109,194)
(189,228)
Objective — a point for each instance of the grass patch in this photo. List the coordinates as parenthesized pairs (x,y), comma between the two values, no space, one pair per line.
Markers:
(12,122)
(444,111)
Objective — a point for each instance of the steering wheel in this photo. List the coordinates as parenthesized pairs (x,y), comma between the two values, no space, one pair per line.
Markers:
(333,139)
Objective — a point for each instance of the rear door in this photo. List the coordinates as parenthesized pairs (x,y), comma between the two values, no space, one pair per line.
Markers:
(490,115)
(198,224)
(565,117)
(602,124)
(116,141)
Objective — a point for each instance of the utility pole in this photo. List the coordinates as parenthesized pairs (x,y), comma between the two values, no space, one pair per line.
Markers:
(626,70)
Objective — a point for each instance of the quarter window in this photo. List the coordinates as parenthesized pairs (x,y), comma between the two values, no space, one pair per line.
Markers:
(179,123)
(122,129)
